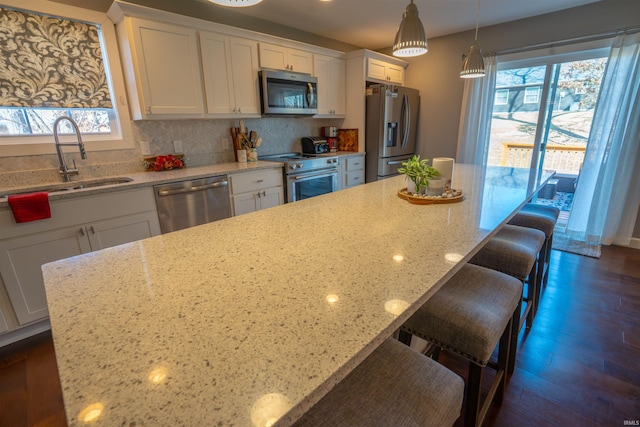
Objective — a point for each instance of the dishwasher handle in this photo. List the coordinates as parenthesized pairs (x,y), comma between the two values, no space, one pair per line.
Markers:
(216,184)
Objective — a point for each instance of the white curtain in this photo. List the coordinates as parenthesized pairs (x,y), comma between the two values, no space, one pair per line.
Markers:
(607,196)
(475,116)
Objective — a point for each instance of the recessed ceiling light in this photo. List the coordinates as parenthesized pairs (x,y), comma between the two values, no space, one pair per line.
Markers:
(236,3)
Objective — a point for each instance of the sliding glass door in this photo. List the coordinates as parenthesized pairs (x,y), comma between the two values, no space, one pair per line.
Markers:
(542,114)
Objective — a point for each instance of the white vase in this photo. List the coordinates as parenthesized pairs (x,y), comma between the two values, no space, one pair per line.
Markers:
(435,187)
(411,186)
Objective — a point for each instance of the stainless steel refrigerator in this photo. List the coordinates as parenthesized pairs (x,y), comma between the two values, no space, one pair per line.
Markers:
(390,129)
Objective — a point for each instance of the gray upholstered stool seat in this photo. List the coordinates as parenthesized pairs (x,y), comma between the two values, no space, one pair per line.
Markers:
(543,218)
(395,386)
(470,315)
(514,250)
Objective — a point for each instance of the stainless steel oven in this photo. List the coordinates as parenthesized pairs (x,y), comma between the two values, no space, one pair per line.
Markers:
(308,176)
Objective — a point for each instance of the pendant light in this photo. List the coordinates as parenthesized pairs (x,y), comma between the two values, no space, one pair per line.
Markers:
(473,64)
(410,38)
(236,3)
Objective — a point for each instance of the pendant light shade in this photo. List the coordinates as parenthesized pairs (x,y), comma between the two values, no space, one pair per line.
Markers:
(473,63)
(410,38)
(236,3)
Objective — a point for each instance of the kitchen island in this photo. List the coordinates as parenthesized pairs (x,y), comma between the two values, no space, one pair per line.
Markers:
(249,321)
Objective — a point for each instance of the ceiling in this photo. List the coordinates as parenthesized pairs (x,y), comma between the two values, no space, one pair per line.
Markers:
(372,24)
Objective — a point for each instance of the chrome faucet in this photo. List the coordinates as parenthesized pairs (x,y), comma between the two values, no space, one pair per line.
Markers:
(64,170)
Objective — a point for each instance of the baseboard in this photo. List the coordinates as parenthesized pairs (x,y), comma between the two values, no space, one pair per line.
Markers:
(634,243)
(25,332)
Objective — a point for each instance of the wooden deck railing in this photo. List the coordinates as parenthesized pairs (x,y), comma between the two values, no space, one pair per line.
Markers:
(561,158)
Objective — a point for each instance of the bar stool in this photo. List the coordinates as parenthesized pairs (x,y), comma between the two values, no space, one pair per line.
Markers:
(395,386)
(543,218)
(514,250)
(470,315)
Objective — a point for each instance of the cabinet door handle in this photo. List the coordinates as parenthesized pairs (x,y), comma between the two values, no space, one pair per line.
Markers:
(260,180)
(82,231)
(92,230)
(264,194)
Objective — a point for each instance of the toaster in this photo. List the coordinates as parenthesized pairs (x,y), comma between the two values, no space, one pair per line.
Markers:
(315,145)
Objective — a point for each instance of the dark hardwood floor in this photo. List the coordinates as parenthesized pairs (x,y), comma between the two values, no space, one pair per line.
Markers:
(579,365)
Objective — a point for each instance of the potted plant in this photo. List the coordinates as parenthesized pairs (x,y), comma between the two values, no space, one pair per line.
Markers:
(418,173)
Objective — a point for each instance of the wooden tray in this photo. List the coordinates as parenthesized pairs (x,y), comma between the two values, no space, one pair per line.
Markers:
(402,193)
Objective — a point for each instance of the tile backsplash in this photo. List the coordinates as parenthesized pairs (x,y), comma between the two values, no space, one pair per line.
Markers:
(202,143)
(202,139)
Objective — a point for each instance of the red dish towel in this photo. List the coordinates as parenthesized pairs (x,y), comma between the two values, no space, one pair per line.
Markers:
(30,207)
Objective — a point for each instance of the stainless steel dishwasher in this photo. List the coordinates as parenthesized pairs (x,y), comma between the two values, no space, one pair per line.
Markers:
(188,203)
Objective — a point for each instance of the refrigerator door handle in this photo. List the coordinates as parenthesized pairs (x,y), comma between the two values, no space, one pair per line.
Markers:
(406,120)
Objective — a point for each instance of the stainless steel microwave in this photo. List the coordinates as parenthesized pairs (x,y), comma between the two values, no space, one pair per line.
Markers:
(288,93)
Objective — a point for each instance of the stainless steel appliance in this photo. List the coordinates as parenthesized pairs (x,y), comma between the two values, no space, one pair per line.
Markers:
(390,129)
(307,175)
(189,203)
(315,145)
(288,93)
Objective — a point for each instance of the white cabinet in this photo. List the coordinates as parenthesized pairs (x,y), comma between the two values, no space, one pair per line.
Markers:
(284,58)
(384,72)
(76,226)
(230,69)
(253,191)
(162,69)
(351,170)
(331,74)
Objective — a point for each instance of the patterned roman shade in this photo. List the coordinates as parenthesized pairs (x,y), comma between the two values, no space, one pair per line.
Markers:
(50,62)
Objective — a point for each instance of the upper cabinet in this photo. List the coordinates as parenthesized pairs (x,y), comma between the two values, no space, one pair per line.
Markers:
(230,71)
(384,72)
(162,66)
(284,58)
(331,74)
(181,67)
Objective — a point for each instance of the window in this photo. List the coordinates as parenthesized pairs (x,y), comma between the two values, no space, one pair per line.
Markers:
(39,121)
(502,97)
(59,61)
(531,95)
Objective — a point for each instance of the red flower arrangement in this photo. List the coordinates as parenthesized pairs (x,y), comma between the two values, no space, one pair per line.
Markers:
(164,163)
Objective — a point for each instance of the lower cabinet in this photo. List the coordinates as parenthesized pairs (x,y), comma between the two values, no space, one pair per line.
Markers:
(351,170)
(76,227)
(253,191)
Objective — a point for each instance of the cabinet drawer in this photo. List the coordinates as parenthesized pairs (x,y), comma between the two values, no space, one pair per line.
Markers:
(355,178)
(253,181)
(355,163)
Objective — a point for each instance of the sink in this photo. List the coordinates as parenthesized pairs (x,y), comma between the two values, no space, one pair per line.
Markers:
(70,186)
(99,183)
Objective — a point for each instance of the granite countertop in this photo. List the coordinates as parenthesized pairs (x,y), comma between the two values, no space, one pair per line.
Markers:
(250,320)
(140,179)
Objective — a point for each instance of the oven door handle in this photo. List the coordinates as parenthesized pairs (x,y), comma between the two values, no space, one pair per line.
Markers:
(315,175)
(163,193)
